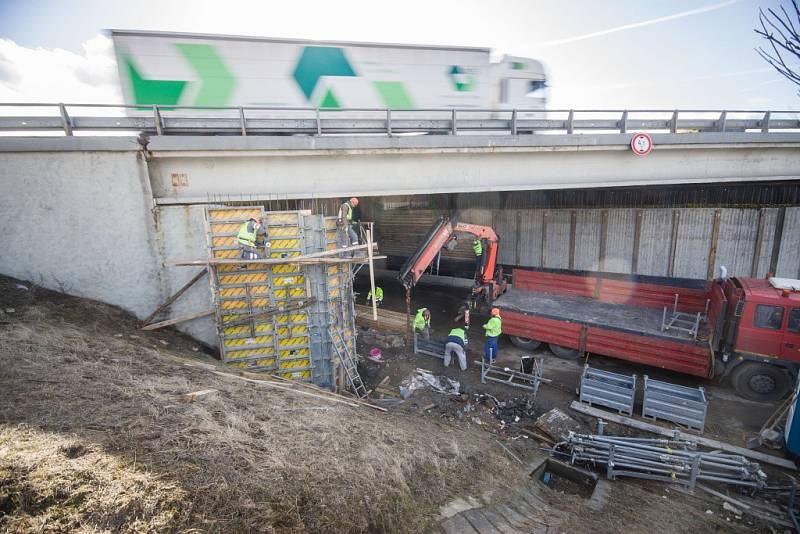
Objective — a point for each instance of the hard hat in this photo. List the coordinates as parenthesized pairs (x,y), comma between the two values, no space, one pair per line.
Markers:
(354,201)
(495,311)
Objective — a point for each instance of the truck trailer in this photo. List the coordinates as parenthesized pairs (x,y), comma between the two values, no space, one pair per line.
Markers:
(744,329)
(187,69)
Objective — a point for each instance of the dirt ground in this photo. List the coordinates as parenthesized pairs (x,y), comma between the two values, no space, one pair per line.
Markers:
(95,437)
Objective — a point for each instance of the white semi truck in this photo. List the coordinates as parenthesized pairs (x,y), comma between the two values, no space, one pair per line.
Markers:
(183,69)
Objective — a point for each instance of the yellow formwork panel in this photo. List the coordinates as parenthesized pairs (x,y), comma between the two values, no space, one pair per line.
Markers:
(262,362)
(218,228)
(285,268)
(284,244)
(224,241)
(244,342)
(291,293)
(293,353)
(294,364)
(227,292)
(333,269)
(331,246)
(331,235)
(244,353)
(295,330)
(245,213)
(288,254)
(238,330)
(284,344)
(228,255)
(302,375)
(243,278)
(297,317)
(287,232)
(291,280)
(277,217)
(333,280)
(241,304)
(330,223)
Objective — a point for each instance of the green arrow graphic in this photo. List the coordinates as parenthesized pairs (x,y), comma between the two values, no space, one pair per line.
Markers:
(149,92)
(217,81)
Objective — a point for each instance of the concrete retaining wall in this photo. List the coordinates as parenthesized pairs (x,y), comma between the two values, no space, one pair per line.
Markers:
(79,222)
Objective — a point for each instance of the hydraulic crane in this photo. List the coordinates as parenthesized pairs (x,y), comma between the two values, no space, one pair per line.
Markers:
(489,281)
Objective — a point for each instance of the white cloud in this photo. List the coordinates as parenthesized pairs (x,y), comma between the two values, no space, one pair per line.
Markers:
(56,75)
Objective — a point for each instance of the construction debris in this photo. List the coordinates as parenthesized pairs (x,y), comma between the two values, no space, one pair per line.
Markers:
(425,379)
(557,424)
(193,396)
(666,460)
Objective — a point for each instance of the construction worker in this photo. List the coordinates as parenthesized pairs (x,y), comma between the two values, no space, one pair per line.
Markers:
(378,296)
(345,221)
(248,236)
(477,247)
(456,342)
(493,328)
(422,323)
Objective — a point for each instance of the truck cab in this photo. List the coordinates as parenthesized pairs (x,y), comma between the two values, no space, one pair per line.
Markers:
(761,345)
(520,84)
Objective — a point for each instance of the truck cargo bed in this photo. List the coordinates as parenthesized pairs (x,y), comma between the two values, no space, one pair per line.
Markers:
(588,311)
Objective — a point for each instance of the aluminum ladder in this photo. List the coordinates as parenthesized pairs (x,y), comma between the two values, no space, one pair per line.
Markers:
(350,369)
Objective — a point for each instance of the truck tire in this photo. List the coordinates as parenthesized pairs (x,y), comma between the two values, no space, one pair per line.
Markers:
(761,381)
(564,352)
(525,343)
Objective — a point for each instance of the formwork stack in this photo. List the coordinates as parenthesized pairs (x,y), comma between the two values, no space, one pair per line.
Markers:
(282,318)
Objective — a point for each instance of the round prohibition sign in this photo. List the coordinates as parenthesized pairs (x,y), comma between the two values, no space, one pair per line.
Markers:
(641,144)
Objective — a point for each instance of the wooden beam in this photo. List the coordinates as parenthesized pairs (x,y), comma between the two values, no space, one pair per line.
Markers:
(712,252)
(194,395)
(678,434)
(573,228)
(603,239)
(762,218)
(673,242)
(176,295)
(183,319)
(372,277)
(544,239)
(637,237)
(321,256)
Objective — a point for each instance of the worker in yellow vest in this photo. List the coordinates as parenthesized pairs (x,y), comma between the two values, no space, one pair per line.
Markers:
(248,238)
(378,296)
(345,221)
(422,323)
(477,248)
(456,343)
(493,328)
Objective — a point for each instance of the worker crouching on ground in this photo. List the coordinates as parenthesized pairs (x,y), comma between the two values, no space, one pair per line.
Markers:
(422,323)
(378,296)
(248,237)
(493,328)
(456,342)
(345,222)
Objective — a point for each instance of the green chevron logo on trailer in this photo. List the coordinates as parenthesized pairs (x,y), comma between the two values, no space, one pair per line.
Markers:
(462,81)
(316,62)
(216,82)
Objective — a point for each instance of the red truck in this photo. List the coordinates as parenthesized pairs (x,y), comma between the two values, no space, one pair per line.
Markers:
(744,329)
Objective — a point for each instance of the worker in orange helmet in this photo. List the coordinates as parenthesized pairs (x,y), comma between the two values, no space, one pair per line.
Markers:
(345,221)
(493,328)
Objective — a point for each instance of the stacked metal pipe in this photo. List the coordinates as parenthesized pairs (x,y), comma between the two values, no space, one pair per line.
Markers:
(675,461)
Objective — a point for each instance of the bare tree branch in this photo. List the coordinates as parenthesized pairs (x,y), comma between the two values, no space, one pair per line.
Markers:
(780,32)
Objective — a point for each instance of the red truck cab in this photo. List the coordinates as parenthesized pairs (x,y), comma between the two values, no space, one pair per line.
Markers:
(761,347)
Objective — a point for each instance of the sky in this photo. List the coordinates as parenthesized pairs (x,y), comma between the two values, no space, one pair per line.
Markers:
(599,54)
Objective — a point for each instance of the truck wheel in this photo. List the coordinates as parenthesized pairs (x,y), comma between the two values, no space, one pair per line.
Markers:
(525,343)
(760,381)
(564,352)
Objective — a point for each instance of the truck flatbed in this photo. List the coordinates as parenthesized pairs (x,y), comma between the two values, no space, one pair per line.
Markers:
(591,312)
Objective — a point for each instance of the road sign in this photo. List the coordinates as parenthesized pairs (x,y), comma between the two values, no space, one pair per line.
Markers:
(641,144)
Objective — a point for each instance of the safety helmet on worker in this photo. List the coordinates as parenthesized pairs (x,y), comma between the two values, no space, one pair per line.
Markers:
(354,201)
(495,312)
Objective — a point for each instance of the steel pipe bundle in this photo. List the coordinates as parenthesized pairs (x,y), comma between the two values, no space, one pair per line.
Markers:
(675,461)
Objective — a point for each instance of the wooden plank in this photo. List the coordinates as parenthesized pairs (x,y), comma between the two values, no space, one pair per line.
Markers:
(372,277)
(712,253)
(479,522)
(176,295)
(678,434)
(673,242)
(194,395)
(499,522)
(183,319)
(278,261)
(458,525)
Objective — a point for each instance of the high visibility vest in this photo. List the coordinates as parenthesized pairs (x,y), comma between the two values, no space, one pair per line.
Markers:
(245,236)
(477,246)
(494,327)
(348,210)
(419,321)
(378,294)
(459,333)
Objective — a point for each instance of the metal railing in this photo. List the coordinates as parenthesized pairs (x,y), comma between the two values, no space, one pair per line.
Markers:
(254,120)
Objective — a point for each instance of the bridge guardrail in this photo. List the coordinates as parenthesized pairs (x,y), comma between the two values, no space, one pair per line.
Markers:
(253,120)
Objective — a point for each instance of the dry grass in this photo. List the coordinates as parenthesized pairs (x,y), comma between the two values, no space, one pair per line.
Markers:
(73,379)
